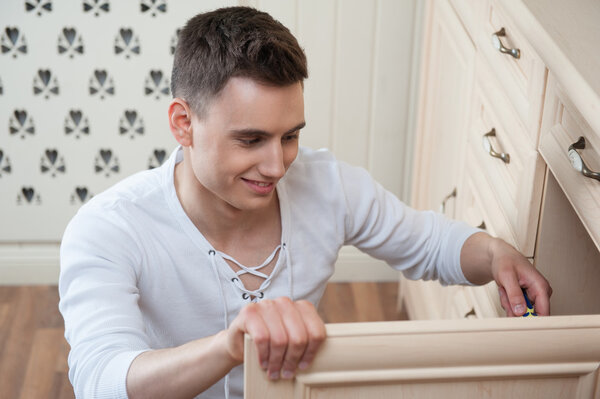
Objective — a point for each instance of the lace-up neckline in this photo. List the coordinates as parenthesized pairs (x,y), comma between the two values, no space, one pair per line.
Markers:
(255,271)
(257,294)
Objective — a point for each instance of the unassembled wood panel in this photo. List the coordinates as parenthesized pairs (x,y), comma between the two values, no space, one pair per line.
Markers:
(544,357)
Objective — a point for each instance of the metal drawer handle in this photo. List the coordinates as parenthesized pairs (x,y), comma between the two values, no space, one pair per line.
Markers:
(515,52)
(470,314)
(487,146)
(443,204)
(577,161)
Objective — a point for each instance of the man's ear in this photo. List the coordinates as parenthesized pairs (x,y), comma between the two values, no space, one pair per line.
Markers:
(180,121)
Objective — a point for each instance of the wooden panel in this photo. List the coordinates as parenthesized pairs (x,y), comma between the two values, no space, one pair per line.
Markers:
(444,99)
(391,102)
(353,77)
(317,32)
(561,127)
(567,256)
(425,300)
(565,35)
(523,79)
(517,184)
(447,74)
(544,357)
(470,13)
(474,209)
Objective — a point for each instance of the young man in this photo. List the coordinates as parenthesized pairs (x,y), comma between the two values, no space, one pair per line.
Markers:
(239,230)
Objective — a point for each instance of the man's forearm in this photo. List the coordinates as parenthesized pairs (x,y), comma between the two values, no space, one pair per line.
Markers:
(180,372)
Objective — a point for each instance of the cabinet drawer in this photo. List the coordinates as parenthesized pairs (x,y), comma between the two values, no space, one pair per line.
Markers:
(477,205)
(460,306)
(470,14)
(516,181)
(562,126)
(426,300)
(485,299)
(522,78)
(475,302)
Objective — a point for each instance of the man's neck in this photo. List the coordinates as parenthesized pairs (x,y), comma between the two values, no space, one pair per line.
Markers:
(218,221)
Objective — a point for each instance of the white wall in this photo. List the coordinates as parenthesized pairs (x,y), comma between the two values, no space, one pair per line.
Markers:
(358,103)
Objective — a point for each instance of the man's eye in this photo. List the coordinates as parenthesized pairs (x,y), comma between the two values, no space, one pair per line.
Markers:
(290,137)
(249,142)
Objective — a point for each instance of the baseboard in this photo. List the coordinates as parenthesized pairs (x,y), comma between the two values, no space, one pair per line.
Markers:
(35,264)
(29,264)
(353,265)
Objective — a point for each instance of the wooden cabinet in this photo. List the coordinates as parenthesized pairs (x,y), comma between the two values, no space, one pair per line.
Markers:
(508,163)
(520,123)
(446,85)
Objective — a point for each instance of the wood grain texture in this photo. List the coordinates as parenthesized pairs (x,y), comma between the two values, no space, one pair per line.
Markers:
(33,351)
(544,357)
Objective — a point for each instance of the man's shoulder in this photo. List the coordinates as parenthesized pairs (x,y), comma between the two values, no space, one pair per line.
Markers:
(308,155)
(321,165)
(310,161)
(135,190)
(314,173)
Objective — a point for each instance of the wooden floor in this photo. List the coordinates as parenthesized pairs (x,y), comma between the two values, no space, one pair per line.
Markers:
(33,351)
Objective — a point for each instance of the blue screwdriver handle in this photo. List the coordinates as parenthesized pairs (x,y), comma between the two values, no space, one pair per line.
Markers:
(530,310)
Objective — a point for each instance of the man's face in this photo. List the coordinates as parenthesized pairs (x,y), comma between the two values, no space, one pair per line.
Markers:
(246,142)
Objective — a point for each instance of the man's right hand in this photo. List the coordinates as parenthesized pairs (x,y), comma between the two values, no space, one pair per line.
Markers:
(287,335)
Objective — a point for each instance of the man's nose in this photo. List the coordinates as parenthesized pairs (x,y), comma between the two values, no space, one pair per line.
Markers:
(272,164)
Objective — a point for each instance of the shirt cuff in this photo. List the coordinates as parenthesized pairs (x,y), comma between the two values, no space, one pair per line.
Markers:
(462,232)
(115,375)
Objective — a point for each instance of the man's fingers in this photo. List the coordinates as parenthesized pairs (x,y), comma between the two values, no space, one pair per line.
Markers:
(287,334)
(278,336)
(510,283)
(540,296)
(296,333)
(504,302)
(255,326)
(315,329)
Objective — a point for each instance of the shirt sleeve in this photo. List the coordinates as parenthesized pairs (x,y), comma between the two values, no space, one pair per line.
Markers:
(421,244)
(99,303)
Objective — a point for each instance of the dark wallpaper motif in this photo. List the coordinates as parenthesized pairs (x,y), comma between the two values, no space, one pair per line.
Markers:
(84,92)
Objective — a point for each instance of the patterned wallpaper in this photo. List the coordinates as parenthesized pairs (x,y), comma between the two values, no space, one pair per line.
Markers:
(84,90)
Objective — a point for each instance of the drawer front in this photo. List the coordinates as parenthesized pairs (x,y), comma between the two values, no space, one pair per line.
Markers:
(470,14)
(475,302)
(523,78)
(478,207)
(425,300)
(516,180)
(562,126)
(485,299)
(460,306)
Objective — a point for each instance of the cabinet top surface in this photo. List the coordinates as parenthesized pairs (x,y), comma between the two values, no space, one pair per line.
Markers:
(566,36)
(575,28)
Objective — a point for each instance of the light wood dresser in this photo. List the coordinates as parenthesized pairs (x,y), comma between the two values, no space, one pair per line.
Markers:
(508,89)
(509,105)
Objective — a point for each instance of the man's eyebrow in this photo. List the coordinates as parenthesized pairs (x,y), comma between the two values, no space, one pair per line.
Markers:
(259,132)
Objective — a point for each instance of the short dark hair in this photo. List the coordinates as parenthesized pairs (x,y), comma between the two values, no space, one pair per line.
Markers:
(233,42)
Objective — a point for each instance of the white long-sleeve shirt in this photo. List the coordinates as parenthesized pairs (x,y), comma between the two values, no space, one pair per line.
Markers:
(136,274)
